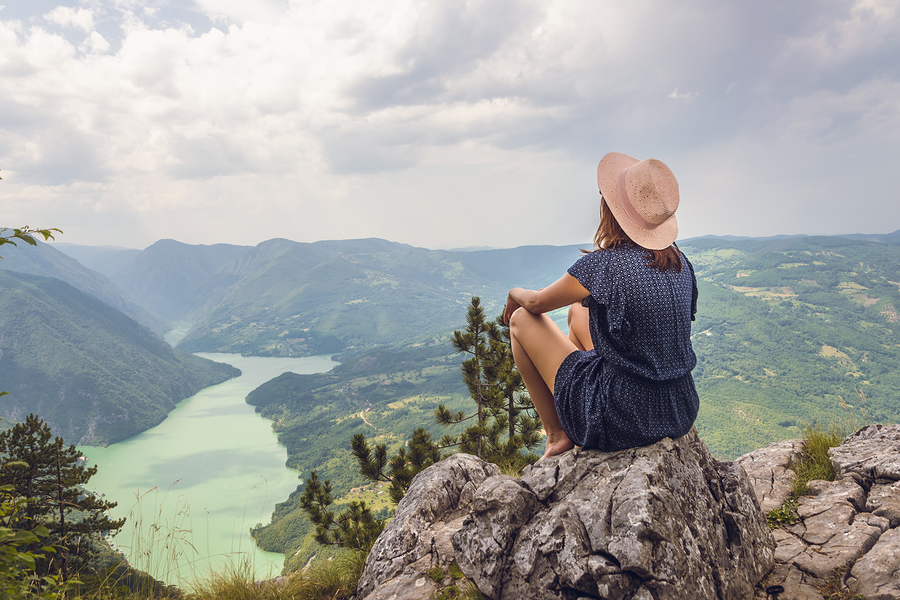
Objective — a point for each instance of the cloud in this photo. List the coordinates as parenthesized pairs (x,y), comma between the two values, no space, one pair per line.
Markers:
(686,96)
(317,104)
(81,18)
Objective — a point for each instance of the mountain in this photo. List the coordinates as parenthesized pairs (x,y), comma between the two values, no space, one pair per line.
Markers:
(289,298)
(106,260)
(175,279)
(94,374)
(47,261)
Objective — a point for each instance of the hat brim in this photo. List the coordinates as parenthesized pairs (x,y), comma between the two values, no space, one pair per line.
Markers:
(658,238)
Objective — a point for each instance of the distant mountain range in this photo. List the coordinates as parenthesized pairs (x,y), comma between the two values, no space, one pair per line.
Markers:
(759,296)
(46,260)
(287,298)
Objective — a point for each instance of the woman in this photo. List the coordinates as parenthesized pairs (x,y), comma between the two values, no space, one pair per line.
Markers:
(622,377)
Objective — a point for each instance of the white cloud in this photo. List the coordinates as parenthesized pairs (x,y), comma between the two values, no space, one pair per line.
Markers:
(81,18)
(686,96)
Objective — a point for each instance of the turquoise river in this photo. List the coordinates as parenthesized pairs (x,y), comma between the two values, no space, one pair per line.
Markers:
(193,486)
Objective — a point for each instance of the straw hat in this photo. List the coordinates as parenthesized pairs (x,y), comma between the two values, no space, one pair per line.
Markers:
(643,197)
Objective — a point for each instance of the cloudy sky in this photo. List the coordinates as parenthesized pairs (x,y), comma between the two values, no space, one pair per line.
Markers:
(442,123)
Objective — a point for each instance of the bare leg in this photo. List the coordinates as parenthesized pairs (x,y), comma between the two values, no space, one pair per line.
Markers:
(539,348)
(579,327)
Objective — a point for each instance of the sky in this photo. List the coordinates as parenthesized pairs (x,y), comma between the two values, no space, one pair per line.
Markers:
(442,124)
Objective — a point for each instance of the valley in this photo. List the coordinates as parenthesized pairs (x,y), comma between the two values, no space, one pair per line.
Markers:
(789,332)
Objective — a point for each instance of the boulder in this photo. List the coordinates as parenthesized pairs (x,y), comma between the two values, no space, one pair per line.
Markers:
(666,521)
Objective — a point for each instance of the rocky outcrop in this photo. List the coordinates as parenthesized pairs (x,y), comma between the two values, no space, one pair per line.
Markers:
(665,521)
(847,532)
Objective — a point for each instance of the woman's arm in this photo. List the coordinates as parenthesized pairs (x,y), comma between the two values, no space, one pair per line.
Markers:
(562,292)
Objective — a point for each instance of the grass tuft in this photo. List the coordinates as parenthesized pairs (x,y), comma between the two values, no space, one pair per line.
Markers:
(813,464)
(836,589)
(328,579)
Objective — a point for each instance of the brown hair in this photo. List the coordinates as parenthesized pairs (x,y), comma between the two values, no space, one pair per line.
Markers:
(611,235)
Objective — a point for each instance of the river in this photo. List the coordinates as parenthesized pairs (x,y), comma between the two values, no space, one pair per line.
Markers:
(193,486)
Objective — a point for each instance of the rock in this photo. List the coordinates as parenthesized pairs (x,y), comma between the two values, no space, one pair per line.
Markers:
(768,471)
(872,452)
(877,575)
(418,537)
(662,521)
(847,534)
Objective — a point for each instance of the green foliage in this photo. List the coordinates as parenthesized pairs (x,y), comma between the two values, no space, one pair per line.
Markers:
(402,467)
(813,464)
(52,477)
(356,528)
(19,553)
(25,234)
(502,426)
(786,514)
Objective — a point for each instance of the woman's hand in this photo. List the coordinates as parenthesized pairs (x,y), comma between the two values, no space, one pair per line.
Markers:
(511,305)
(561,293)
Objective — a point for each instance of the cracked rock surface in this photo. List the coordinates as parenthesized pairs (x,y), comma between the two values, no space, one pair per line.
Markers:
(665,521)
(418,537)
(847,529)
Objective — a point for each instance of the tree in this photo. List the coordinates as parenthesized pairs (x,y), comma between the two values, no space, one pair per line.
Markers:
(402,467)
(51,476)
(503,425)
(17,555)
(356,528)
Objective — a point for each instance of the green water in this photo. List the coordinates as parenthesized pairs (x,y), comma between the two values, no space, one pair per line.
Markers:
(193,486)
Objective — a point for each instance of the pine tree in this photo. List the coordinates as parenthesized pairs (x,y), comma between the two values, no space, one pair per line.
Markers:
(503,425)
(356,528)
(402,467)
(51,476)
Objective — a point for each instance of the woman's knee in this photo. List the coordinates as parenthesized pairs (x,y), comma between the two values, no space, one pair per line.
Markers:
(520,319)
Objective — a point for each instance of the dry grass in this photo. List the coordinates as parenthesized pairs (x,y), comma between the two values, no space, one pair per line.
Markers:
(324,580)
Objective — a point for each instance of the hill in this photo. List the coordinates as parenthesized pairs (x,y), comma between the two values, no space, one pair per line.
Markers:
(106,260)
(47,261)
(791,332)
(284,298)
(94,374)
(176,280)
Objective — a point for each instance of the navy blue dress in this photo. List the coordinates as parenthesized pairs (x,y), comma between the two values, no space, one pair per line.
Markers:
(635,387)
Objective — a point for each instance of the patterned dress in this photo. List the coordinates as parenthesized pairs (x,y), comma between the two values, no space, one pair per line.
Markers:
(635,387)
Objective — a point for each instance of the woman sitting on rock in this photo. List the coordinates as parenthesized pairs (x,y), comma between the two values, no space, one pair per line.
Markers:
(622,377)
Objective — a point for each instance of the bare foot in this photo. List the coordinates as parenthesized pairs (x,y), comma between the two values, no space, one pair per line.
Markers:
(557,445)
